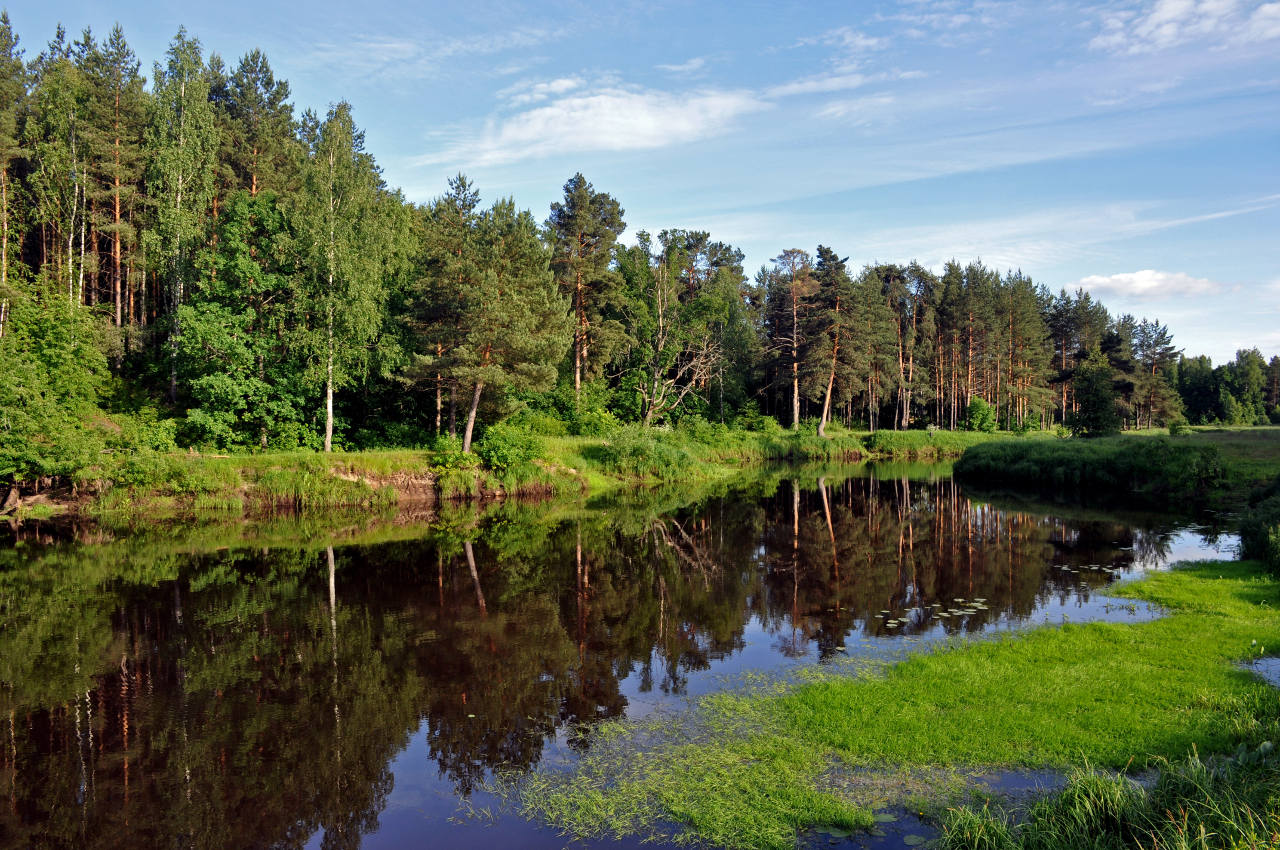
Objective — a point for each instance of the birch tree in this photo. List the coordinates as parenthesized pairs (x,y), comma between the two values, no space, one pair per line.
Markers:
(354,231)
(181,140)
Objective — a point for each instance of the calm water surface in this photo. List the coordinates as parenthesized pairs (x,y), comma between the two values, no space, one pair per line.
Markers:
(175,691)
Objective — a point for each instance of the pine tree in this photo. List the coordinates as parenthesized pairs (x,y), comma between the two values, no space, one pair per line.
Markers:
(583,229)
(516,323)
(829,332)
(117,116)
(1096,414)
(262,136)
(54,134)
(793,287)
(448,268)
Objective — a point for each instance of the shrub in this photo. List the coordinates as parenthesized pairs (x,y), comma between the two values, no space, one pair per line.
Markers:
(504,446)
(1156,470)
(593,423)
(539,422)
(980,417)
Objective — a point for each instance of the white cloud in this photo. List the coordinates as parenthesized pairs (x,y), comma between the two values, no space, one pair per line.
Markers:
(1263,24)
(846,38)
(1164,24)
(694,64)
(818,83)
(605,119)
(526,92)
(1149,283)
(858,111)
(826,83)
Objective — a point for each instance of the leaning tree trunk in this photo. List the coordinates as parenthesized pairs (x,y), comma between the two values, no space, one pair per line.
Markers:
(471,417)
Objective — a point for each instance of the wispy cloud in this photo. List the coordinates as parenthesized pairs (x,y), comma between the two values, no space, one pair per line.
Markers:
(529,91)
(695,64)
(612,118)
(415,56)
(859,111)
(1150,284)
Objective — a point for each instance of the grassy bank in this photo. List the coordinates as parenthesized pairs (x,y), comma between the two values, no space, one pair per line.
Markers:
(506,461)
(1207,466)
(757,766)
(1227,802)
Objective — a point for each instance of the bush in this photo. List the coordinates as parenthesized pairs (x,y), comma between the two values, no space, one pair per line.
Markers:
(593,423)
(505,446)
(980,417)
(539,422)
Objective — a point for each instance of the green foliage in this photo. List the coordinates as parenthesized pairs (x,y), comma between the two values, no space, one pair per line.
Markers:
(49,389)
(1096,414)
(538,422)
(980,416)
(505,447)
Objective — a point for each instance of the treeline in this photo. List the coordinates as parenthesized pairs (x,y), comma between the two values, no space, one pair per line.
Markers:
(186,260)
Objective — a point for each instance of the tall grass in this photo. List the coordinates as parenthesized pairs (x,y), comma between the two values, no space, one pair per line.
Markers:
(310,488)
(1226,802)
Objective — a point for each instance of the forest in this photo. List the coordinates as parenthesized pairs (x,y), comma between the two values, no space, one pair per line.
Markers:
(188,261)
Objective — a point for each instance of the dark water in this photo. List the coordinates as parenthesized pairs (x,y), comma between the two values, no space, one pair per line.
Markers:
(163,690)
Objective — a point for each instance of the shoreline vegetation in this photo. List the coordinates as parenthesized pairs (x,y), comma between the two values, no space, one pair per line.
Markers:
(1204,467)
(516,463)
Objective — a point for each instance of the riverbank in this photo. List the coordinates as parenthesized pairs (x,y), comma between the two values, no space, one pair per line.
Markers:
(1203,468)
(764,764)
(190,484)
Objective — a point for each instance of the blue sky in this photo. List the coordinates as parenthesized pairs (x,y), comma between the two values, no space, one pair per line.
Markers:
(1130,147)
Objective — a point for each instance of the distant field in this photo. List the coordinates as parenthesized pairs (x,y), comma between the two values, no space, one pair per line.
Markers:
(1252,453)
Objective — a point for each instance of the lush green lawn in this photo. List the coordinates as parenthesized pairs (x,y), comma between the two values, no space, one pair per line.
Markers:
(749,769)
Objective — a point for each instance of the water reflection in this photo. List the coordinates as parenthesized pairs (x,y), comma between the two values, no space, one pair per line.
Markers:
(269,696)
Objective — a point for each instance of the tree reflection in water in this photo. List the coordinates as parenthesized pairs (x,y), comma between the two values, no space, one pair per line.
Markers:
(258,696)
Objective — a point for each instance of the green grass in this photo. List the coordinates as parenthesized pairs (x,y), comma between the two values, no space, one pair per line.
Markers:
(1163,472)
(1251,455)
(1227,802)
(748,769)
